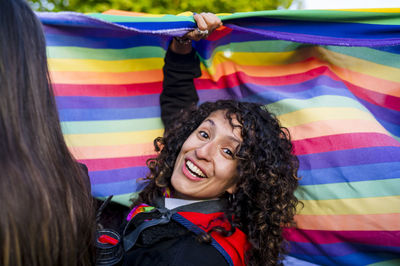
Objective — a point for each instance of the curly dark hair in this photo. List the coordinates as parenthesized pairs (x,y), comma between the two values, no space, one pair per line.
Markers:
(264,201)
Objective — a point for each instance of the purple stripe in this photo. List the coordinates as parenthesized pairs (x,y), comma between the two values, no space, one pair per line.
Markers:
(108,114)
(117,188)
(353,259)
(322,85)
(349,157)
(337,249)
(352,173)
(70,102)
(380,112)
(99,41)
(117,175)
(317,39)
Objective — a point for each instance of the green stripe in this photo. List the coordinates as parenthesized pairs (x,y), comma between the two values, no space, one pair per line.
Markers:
(361,189)
(270,46)
(123,199)
(109,126)
(273,46)
(292,105)
(116,18)
(369,54)
(105,54)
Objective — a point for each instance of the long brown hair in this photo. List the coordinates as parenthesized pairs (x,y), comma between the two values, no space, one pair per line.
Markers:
(46,211)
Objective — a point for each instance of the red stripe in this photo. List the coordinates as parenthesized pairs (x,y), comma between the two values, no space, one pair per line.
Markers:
(384,100)
(342,142)
(115,163)
(107,90)
(219,33)
(235,79)
(382,238)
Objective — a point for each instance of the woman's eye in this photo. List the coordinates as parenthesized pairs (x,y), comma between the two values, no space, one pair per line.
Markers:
(203,134)
(228,151)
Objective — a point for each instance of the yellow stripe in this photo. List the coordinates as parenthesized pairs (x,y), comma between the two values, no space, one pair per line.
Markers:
(377,205)
(309,115)
(259,59)
(334,127)
(371,10)
(360,65)
(117,151)
(91,65)
(110,139)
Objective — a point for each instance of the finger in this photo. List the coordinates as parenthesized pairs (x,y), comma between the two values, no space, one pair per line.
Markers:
(193,35)
(212,21)
(201,23)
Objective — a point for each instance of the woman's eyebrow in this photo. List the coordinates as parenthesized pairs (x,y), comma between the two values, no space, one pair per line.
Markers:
(230,137)
(210,121)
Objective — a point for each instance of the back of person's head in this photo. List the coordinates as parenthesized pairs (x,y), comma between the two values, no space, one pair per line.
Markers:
(46,212)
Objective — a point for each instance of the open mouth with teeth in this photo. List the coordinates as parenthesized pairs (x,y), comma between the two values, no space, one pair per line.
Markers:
(194,170)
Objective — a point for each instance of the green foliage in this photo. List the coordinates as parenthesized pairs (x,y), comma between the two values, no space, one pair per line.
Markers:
(160,6)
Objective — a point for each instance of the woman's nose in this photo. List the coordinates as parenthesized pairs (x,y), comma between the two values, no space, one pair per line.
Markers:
(206,151)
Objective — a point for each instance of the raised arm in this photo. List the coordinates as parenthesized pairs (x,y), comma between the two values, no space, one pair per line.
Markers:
(182,65)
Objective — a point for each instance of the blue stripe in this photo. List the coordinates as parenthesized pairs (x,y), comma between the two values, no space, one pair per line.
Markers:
(392,128)
(80,102)
(109,114)
(340,158)
(154,26)
(117,175)
(292,261)
(339,249)
(356,259)
(117,188)
(382,113)
(395,49)
(101,42)
(354,173)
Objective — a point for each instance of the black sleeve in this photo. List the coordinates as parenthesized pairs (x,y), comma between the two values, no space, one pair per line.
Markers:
(179,91)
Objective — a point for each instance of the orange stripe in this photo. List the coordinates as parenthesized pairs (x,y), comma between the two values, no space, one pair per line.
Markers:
(363,80)
(76,77)
(100,152)
(333,127)
(381,86)
(124,13)
(371,222)
(229,67)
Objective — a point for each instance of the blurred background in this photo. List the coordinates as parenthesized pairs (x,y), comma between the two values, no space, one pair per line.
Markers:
(215,6)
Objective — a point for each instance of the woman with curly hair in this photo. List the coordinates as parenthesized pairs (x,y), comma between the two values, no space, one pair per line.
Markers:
(221,190)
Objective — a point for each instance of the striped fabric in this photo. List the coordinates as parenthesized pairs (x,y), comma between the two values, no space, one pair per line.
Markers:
(332,77)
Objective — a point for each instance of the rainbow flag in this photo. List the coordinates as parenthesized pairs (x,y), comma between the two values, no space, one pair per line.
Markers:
(331,77)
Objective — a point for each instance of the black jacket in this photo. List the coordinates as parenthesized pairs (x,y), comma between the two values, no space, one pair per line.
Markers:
(179,91)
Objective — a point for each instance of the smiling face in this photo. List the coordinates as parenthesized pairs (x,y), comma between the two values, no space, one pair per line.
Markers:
(205,167)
